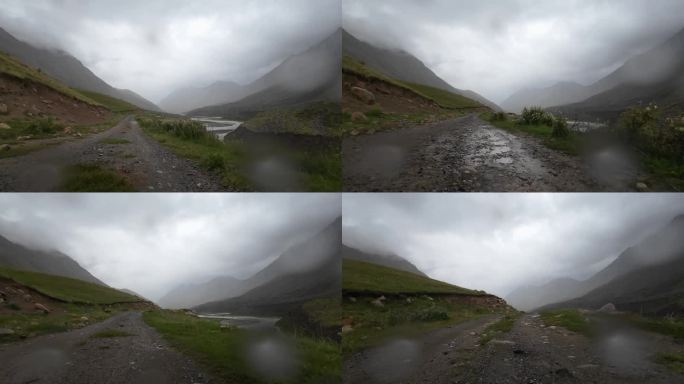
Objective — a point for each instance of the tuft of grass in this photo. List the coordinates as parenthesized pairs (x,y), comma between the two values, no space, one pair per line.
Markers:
(223,350)
(114,141)
(93,178)
(67,289)
(673,361)
(570,319)
(501,327)
(110,333)
(359,276)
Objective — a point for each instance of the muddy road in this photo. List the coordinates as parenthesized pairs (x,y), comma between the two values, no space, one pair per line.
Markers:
(423,359)
(147,164)
(74,357)
(463,154)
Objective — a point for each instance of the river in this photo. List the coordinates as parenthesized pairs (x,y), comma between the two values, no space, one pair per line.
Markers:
(218,126)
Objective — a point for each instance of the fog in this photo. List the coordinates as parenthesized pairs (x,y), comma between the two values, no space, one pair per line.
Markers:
(152,243)
(498,47)
(498,242)
(155,47)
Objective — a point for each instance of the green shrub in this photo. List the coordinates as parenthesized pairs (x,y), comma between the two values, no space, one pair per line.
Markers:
(213,162)
(184,129)
(648,129)
(560,128)
(536,116)
(499,116)
(43,126)
(431,314)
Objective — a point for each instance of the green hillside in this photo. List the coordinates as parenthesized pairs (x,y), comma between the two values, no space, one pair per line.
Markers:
(67,289)
(111,103)
(359,276)
(444,99)
(13,67)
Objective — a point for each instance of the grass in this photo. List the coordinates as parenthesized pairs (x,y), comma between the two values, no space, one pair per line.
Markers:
(67,289)
(499,328)
(13,67)
(320,118)
(93,178)
(325,311)
(570,319)
(110,333)
(111,103)
(114,141)
(673,361)
(570,144)
(365,277)
(665,326)
(665,170)
(223,351)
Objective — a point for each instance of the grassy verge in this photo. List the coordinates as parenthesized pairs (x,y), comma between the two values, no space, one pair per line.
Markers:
(570,145)
(223,350)
(665,171)
(111,103)
(673,361)
(93,178)
(570,319)
(67,289)
(359,276)
(499,328)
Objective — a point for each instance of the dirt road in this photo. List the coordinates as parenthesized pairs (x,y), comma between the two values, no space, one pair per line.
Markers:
(533,353)
(464,154)
(424,359)
(125,148)
(74,357)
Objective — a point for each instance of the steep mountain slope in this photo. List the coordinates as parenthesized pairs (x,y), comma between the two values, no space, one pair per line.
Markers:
(16,256)
(67,69)
(304,272)
(311,76)
(189,295)
(653,76)
(663,247)
(391,261)
(402,66)
(187,99)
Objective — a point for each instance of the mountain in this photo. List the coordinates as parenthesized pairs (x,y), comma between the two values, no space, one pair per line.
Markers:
(190,295)
(402,66)
(390,260)
(661,252)
(653,76)
(305,271)
(17,256)
(187,99)
(67,69)
(311,76)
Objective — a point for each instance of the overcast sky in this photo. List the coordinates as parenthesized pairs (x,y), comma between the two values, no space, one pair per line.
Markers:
(156,46)
(151,243)
(496,47)
(497,242)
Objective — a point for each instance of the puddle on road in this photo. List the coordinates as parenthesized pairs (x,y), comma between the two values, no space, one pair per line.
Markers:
(394,361)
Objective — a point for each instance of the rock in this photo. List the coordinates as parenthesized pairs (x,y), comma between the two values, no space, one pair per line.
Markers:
(6,332)
(23,138)
(378,302)
(608,308)
(5,147)
(27,298)
(41,307)
(352,299)
(363,94)
(3,109)
(67,130)
(347,328)
(5,126)
(84,318)
(642,187)
(357,117)
(409,300)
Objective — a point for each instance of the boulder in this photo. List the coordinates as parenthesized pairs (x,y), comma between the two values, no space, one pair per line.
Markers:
(364,95)
(84,318)
(642,187)
(27,298)
(358,117)
(3,109)
(347,328)
(609,308)
(41,308)
(5,126)
(6,332)
(378,302)
(68,131)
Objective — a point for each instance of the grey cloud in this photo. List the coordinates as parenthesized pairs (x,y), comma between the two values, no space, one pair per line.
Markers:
(497,242)
(155,47)
(152,243)
(497,47)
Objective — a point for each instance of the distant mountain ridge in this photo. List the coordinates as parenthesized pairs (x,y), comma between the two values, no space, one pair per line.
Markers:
(310,76)
(390,260)
(67,69)
(17,256)
(403,66)
(661,252)
(653,76)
